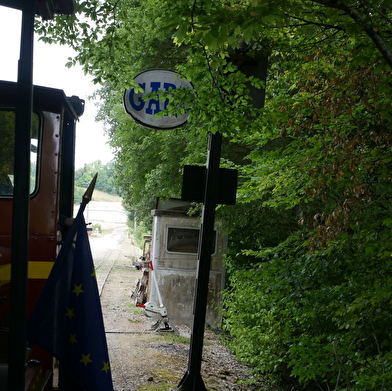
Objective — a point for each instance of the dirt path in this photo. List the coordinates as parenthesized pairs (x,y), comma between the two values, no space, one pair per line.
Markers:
(145,360)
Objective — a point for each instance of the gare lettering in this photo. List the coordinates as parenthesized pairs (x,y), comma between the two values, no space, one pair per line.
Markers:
(143,110)
(154,106)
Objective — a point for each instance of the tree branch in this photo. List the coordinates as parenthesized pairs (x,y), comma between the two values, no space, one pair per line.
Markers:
(308,22)
(353,13)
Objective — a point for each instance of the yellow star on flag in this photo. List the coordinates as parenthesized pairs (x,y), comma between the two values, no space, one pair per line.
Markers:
(78,289)
(106,367)
(72,339)
(85,359)
(93,274)
(70,313)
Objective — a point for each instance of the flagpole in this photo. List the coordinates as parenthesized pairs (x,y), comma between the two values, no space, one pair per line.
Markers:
(88,195)
(64,379)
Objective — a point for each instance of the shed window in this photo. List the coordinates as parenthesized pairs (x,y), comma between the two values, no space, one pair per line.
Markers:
(184,240)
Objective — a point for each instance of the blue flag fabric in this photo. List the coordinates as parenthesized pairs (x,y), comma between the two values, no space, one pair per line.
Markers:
(67,319)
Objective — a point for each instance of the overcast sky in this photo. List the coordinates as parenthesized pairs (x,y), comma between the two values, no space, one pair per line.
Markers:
(50,71)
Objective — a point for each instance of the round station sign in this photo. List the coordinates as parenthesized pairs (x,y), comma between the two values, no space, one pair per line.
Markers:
(144,111)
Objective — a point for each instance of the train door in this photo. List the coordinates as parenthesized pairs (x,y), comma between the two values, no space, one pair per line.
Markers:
(52,148)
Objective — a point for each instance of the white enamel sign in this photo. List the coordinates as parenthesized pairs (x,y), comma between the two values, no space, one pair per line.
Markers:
(144,112)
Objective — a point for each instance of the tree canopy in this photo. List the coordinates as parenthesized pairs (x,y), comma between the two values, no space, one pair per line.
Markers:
(309,258)
(105,180)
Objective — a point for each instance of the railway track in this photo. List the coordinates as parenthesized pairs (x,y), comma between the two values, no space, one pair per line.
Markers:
(106,255)
(104,269)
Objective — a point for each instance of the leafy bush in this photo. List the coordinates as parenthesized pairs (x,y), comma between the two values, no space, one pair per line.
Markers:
(321,318)
(97,228)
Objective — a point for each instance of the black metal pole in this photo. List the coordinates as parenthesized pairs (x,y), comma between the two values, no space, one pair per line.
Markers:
(21,201)
(192,380)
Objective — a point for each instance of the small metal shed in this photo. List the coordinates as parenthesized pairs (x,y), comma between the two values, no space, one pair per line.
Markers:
(175,237)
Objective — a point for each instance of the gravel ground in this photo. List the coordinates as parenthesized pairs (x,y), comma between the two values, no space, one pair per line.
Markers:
(142,359)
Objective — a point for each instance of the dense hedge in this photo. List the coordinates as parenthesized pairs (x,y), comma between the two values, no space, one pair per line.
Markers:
(321,319)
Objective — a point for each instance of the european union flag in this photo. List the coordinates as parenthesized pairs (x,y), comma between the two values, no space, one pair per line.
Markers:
(67,319)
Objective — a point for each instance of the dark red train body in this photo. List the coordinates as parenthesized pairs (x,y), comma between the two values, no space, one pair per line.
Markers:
(51,196)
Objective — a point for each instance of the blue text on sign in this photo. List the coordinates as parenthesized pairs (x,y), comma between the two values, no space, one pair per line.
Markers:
(153,105)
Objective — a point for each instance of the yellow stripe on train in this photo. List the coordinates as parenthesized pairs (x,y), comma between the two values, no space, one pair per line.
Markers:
(37,270)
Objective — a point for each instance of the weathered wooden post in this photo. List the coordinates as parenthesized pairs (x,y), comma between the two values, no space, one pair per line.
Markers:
(192,379)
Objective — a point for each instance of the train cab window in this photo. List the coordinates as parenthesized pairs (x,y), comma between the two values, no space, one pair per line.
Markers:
(7,143)
(184,240)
